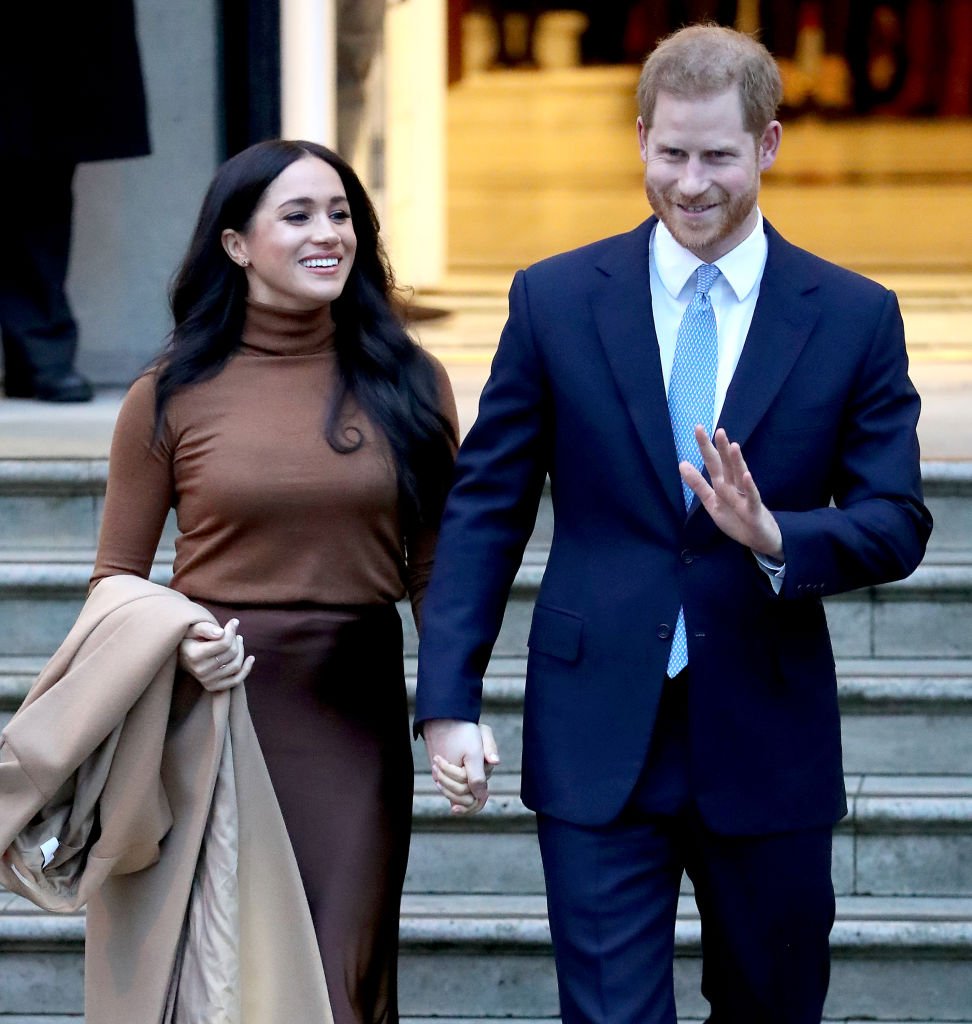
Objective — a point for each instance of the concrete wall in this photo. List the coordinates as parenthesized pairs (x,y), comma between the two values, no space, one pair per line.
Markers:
(133,217)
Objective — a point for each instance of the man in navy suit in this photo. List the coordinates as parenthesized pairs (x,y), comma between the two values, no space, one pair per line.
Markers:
(681,702)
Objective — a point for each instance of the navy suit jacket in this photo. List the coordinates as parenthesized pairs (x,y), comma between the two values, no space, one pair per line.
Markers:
(823,407)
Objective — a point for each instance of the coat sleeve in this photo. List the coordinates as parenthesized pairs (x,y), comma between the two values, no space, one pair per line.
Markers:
(877,526)
(487,522)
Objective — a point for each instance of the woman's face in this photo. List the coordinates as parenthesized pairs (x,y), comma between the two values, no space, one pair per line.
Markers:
(299,248)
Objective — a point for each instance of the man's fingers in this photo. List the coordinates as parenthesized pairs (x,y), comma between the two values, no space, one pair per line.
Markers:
(727,469)
(695,481)
(713,453)
(476,778)
(490,749)
(478,785)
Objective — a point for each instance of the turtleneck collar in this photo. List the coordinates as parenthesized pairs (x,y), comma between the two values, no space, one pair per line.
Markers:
(272,331)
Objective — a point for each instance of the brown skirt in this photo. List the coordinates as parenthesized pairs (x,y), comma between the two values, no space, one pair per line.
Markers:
(327,698)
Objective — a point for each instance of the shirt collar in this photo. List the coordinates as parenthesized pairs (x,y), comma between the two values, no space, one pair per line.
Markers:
(742,267)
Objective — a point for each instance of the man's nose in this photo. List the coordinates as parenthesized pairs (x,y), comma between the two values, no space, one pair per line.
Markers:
(694,179)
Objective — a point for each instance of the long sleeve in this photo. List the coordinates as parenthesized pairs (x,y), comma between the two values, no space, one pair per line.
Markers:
(140,489)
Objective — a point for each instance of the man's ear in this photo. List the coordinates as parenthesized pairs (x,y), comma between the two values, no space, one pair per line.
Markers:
(642,139)
(768,147)
(235,246)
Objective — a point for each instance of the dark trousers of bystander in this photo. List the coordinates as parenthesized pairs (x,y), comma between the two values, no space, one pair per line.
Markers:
(40,335)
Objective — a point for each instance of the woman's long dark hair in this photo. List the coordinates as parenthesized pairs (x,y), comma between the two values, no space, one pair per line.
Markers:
(389,376)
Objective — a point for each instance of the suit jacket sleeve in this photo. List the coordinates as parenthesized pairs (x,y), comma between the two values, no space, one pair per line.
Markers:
(488,520)
(421,543)
(876,527)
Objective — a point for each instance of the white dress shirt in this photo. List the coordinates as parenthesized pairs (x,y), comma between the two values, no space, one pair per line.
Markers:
(733,298)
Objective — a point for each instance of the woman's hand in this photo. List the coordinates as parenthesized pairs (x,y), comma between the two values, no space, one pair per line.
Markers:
(215,656)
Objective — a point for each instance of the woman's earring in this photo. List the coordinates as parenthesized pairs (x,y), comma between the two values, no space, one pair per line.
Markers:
(244,262)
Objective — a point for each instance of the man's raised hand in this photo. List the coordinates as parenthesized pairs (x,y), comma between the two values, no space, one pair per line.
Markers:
(732,500)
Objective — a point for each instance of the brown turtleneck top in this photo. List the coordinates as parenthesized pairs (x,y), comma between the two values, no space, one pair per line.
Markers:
(268,512)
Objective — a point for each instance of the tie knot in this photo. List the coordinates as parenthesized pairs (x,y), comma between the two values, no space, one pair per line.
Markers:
(708,272)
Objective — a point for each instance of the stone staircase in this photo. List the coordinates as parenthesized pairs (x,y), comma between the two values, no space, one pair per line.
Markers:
(475,944)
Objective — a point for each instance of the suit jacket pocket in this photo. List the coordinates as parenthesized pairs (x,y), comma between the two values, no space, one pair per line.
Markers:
(556,632)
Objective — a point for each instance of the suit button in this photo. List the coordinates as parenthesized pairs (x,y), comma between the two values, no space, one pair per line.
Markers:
(664,632)
(687,557)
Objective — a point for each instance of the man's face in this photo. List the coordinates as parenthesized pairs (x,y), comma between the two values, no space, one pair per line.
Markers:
(702,169)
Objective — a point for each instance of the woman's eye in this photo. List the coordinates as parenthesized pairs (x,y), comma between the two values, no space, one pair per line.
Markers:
(299,217)
(340,216)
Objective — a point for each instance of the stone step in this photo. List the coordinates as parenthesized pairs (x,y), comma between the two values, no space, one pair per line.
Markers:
(948,495)
(927,615)
(898,715)
(74,1019)
(903,836)
(893,959)
(55,505)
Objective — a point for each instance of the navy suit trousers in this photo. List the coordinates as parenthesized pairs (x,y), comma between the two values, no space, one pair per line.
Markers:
(766,903)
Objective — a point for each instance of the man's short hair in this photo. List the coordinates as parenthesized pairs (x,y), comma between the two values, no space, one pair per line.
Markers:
(702,60)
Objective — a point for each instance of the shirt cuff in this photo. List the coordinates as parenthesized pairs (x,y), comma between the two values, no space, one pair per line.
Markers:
(776,571)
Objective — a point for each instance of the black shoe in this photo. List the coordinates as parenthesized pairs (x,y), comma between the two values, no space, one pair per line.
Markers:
(69,386)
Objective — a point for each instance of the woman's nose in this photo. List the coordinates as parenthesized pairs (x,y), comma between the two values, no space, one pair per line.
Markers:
(324,230)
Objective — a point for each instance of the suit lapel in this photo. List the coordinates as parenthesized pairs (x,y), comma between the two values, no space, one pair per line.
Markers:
(784,317)
(622,312)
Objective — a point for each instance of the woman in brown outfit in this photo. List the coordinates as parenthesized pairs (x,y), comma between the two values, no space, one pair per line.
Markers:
(306,443)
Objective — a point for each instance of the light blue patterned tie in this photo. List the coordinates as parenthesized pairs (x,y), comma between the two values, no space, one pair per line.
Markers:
(691,400)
